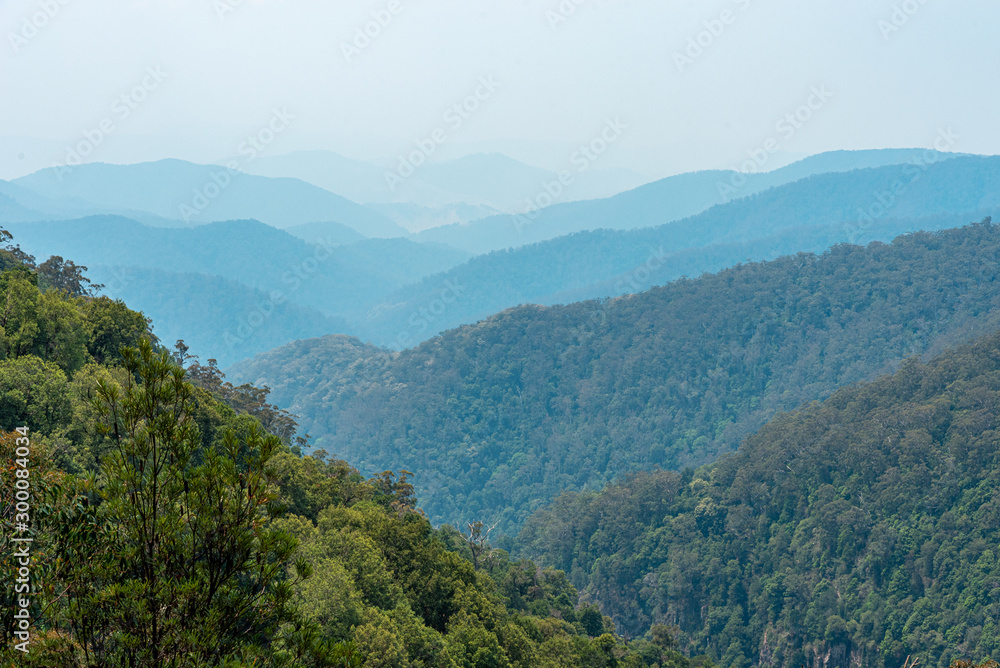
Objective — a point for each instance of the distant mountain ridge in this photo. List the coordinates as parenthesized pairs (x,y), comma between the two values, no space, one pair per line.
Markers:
(809,214)
(217,317)
(490,180)
(660,202)
(399,292)
(339,281)
(184,192)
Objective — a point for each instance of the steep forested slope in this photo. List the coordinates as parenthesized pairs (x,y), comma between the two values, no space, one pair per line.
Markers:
(498,417)
(156,521)
(853,532)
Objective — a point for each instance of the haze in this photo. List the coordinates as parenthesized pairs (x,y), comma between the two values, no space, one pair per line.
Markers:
(561,75)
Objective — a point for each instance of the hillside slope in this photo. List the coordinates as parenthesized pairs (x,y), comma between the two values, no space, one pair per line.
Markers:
(214,541)
(217,318)
(853,532)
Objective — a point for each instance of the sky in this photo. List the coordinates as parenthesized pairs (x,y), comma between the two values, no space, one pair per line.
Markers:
(691,85)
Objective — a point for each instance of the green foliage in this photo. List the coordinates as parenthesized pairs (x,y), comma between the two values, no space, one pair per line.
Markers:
(191,571)
(19,329)
(42,481)
(11,256)
(61,327)
(407,595)
(64,331)
(854,532)
(244,399)
(33,392)
(59,274)
(113,326)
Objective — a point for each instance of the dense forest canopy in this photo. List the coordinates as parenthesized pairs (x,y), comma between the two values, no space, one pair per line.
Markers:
(853,532)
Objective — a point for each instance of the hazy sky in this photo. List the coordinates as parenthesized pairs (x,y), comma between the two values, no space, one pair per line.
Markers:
(894,73)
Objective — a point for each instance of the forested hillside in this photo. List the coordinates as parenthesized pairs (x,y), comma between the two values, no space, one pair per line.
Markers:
(173,522)
(496,418)
(853,532)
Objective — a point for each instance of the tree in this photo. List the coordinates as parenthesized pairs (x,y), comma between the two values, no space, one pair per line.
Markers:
(246,398)
(478,542)
(60,274)
(113,326)
(11,256)
(63,332)
(33,393)
(19,331)
(181,355)
(196,575)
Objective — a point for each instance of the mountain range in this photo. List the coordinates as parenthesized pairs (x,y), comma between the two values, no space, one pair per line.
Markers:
(495,419)
(264,270)
(655,203)
(406,290)
(490,180)
(720,429)
(807,215)
(185,193)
